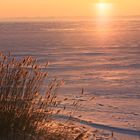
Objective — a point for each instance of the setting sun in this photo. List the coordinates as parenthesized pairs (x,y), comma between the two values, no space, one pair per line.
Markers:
(103,9)
(68,8)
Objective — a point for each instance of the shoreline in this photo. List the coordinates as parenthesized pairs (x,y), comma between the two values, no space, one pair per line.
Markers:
(101,126)
(116,132)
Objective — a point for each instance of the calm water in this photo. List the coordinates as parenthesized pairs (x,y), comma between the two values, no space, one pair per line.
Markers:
(103,58)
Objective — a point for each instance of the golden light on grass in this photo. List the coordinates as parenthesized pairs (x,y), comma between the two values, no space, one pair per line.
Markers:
(26,112)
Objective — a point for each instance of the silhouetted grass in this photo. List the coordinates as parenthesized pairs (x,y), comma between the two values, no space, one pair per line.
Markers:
(24,112)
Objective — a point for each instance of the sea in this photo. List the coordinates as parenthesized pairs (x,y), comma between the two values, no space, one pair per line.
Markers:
(100,57)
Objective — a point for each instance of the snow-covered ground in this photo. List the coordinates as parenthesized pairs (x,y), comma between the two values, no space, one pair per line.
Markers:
(102,59)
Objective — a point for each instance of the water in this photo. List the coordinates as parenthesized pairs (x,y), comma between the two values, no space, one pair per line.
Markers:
(101,57)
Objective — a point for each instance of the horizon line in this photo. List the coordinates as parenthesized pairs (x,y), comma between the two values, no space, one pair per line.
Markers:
(60,17)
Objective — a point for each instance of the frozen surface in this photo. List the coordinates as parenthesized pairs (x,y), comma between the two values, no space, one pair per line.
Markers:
(104,59)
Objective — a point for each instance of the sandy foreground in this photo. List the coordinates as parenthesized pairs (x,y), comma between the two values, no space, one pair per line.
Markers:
(82,130)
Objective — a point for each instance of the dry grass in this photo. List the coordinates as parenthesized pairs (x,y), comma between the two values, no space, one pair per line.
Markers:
(23,110)
(27,114)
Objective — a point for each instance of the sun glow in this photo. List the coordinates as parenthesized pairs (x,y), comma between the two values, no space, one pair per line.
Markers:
(104,13)
(103,9)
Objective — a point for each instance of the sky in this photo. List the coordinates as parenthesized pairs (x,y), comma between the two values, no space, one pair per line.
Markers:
(66,8)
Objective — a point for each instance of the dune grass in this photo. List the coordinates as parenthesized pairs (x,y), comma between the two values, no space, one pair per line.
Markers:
(24,112)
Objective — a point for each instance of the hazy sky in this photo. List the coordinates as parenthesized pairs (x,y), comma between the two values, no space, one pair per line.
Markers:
(45,8)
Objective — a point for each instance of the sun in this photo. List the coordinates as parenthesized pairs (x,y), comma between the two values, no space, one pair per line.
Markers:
(103,8)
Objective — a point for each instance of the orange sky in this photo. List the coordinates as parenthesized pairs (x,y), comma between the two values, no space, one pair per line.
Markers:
(47,8)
